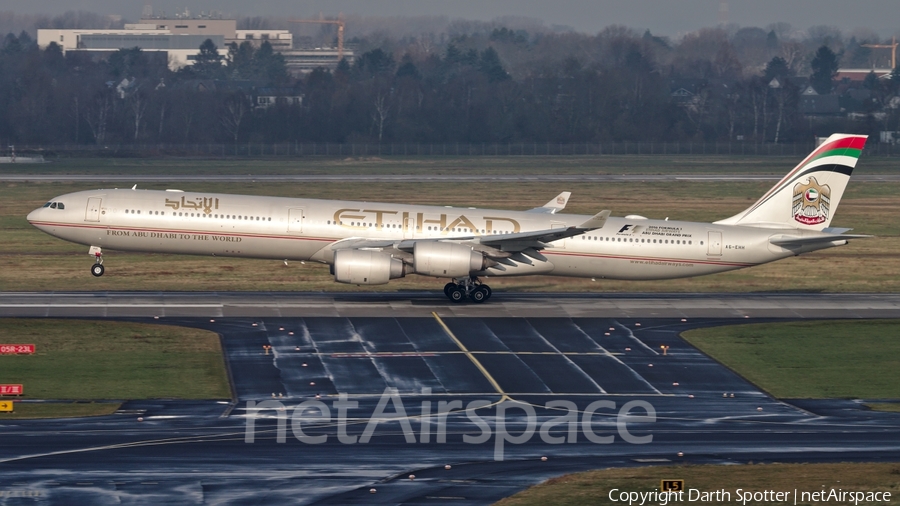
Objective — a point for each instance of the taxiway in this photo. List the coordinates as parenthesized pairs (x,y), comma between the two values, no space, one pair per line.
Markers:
(434,378)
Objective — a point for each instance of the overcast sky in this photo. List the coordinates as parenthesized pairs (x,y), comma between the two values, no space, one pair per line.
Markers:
(662,17)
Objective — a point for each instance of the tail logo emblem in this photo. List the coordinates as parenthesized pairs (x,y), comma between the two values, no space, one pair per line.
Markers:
(811,202)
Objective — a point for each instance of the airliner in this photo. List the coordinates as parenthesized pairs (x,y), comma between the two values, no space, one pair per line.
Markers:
(371,243)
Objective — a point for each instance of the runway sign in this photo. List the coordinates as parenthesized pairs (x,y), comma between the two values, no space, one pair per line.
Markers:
(16,349)
(671,485)
(6,406)
(10,389)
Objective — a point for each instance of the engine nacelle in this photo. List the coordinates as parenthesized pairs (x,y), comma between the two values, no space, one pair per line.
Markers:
(366,267)
(446,259)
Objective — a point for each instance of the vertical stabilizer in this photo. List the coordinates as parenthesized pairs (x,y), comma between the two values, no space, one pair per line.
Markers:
(808,196)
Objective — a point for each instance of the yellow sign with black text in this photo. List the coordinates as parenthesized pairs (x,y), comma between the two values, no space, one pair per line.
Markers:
(6,406)
(671,485)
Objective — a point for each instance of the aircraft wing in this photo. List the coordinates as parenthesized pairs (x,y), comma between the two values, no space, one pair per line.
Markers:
(496,246)
(788,240)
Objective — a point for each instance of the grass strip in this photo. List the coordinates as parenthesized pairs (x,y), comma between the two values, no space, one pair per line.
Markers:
(28,410)
(80,359)
(593,487)
(810,359)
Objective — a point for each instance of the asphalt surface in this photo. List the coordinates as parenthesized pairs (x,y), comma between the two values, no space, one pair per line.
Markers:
(199,452)
(408,178)
(422,304)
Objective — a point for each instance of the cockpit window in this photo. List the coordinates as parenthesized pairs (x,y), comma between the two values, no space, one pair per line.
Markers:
(47,204)
(53,205)
(60,205)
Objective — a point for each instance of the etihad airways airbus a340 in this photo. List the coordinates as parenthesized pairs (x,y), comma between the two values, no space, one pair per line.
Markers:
(371,243)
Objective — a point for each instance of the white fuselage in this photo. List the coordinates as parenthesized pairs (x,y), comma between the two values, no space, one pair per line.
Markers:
(306,229)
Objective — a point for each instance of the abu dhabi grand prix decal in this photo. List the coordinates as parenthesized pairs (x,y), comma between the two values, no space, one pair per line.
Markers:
(811,202)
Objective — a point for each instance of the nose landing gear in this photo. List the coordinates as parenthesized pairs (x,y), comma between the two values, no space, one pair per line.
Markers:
(472,288)
(97,269)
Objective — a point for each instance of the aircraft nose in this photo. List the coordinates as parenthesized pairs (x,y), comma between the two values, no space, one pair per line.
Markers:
(32,216)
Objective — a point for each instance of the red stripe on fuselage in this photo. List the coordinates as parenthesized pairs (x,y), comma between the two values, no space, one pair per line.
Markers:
(179,231)
(648,259)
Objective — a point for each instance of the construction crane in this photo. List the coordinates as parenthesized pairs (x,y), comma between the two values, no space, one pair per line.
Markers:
(892,46)
(340,24)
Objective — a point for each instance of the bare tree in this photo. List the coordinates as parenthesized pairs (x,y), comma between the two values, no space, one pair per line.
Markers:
(77,114)
(98,115)
(792,52)
(780,98)
(380,116)
(137,104)
(163,107)
(233,112)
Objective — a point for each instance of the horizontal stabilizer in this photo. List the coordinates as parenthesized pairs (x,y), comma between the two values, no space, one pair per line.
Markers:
(554,206)
(788,240)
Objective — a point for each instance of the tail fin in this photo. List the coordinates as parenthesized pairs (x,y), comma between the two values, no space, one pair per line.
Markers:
(808,196)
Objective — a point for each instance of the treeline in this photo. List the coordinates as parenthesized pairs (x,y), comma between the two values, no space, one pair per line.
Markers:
(497,86)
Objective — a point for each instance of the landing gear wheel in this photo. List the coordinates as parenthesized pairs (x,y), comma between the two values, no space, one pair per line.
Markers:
(448,287)
(479,295)
(488,291)
(456,295)
(97,270)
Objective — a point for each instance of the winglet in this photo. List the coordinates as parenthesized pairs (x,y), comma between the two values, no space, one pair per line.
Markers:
(596,221)
(555,205)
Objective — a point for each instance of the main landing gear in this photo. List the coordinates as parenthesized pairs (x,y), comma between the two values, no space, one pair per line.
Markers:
(97,269)
(460,289)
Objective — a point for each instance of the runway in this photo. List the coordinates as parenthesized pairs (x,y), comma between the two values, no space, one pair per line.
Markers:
(422,304)
(420,381)
(410,178)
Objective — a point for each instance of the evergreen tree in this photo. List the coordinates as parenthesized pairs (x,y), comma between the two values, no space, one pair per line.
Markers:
(825,67)
(777,68)
(407,68)
(376,61)
(240,60)
(269,65)
(490,65)
(208,63)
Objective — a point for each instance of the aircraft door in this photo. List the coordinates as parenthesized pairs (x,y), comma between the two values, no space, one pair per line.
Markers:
(409,228)
(295,220)
(92,213)
(715,243)
(562,242)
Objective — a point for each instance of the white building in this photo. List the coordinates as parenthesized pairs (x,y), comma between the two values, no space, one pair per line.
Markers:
(179,38)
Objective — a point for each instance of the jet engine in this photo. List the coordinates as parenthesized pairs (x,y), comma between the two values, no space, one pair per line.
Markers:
(446,259)
(366,267)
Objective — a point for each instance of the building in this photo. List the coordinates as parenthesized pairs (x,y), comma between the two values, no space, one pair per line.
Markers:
(300,61)
(853,75)
(179,38)
(266,97)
